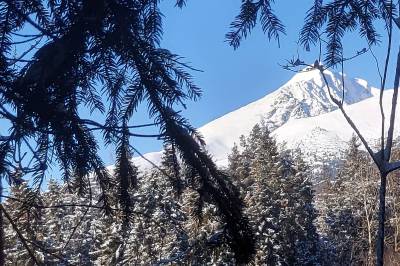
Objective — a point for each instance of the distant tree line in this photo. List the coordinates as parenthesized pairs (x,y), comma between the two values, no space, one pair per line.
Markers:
(348,207)
(293,224)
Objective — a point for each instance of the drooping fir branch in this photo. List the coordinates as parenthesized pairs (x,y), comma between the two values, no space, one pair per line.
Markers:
(335,18)
(171,165)
(214,186)
(162,93)
(12,5)
(125,172)
(247,20)
(112,45)
(180,3)
(214,183)
(315,18)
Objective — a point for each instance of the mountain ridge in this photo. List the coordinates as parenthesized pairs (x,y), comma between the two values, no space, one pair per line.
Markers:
(302,99)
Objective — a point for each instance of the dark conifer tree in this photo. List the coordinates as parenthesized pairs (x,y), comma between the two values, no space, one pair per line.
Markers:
(171,168)
(54,228)
(279,199)
(88,51)
(110,243)
(299,214)
(25,232)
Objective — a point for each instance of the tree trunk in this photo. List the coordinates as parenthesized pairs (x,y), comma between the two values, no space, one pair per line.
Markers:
(380,240)
(370,246)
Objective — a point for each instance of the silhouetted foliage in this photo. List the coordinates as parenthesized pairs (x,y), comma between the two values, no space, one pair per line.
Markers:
(247,19)
(103,57)
(325,22)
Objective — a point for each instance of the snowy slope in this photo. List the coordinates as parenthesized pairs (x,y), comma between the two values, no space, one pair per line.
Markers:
(325,136)
(302,100)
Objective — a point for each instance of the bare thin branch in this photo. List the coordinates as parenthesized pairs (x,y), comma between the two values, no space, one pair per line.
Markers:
(351,123)
(389,143)
(383,85)
(21,237)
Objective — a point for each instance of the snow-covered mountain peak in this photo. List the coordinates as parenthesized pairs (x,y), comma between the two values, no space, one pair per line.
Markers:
(311,84)
(306,95)
(303,98)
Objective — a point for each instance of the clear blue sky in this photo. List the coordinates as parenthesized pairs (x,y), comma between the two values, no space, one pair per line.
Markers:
(231,78)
